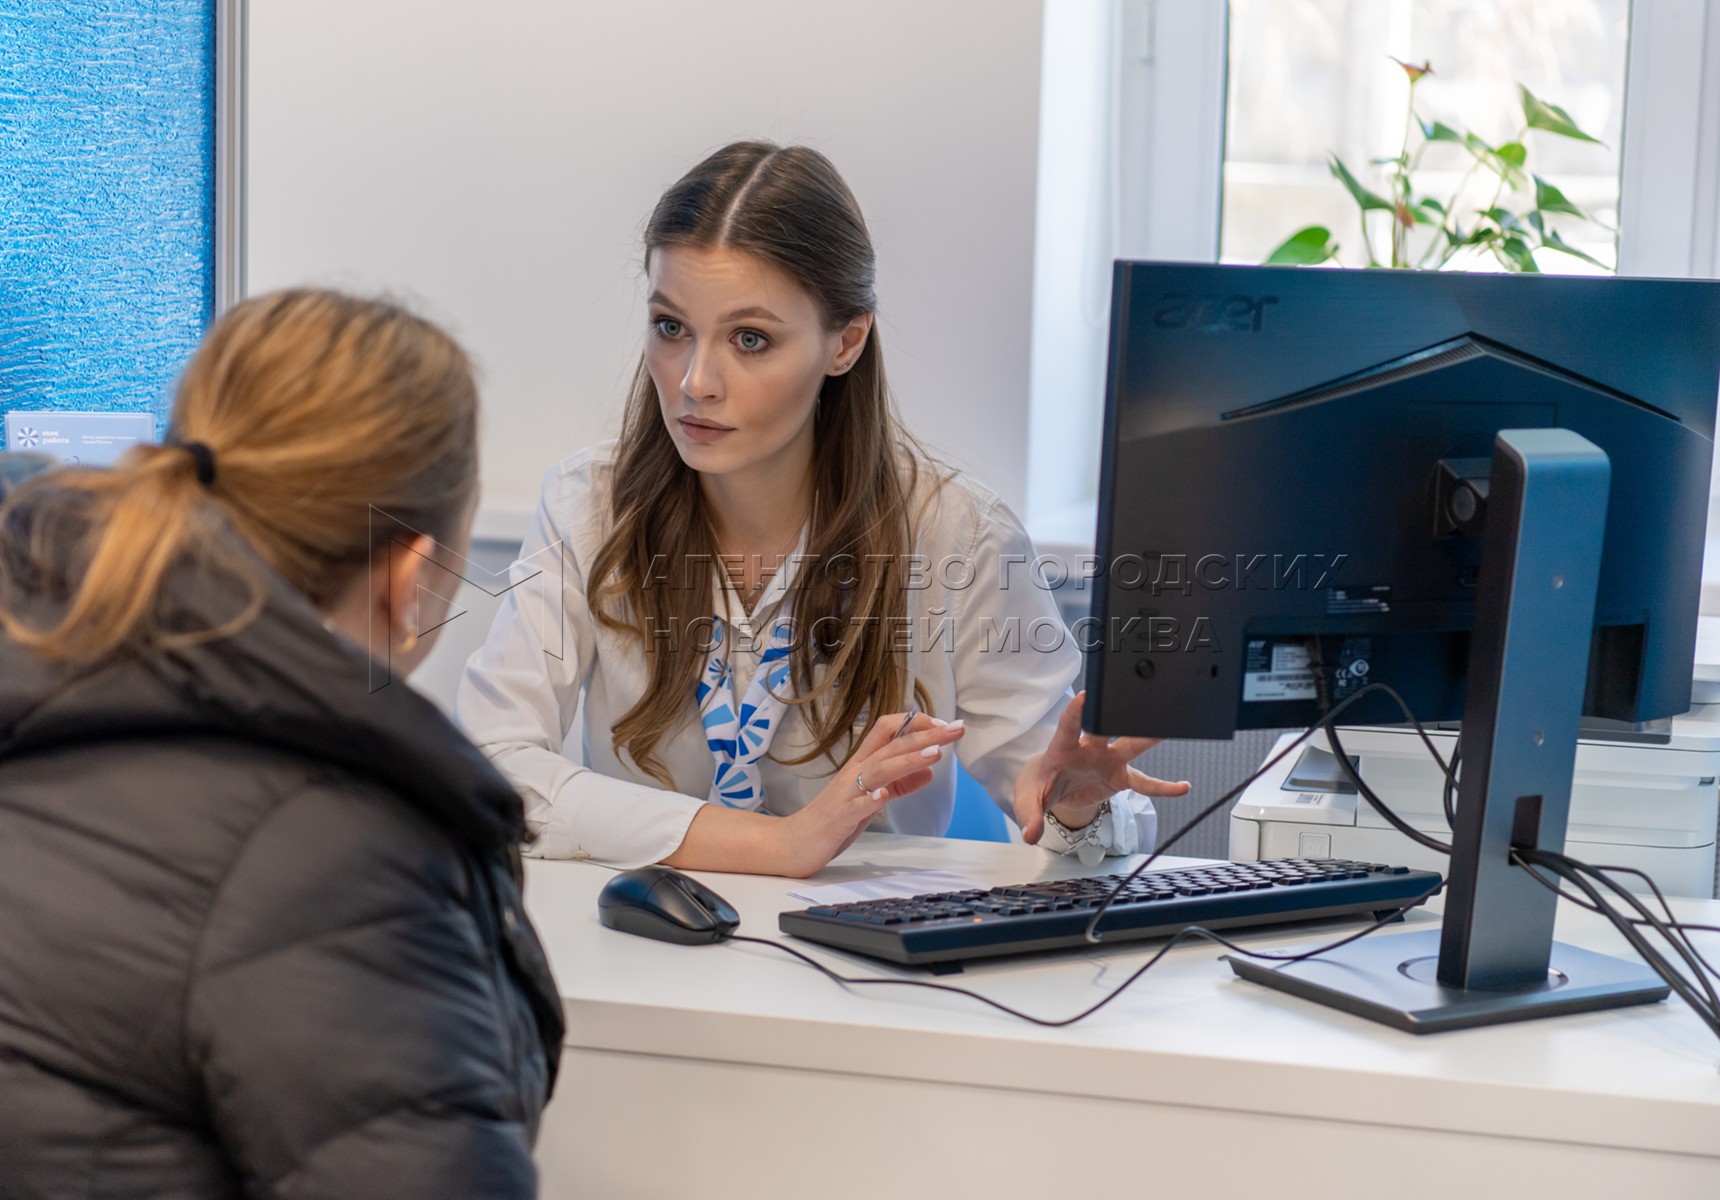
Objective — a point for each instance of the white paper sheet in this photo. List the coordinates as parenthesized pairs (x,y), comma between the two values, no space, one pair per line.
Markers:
(887,887)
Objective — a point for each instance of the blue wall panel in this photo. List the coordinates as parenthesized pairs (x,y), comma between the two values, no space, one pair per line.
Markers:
(107,201)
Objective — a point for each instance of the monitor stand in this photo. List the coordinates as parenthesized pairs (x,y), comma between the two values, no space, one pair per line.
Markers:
(1494,960)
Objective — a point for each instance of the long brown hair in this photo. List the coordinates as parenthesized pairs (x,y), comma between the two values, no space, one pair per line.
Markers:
(333,423)
(789,207)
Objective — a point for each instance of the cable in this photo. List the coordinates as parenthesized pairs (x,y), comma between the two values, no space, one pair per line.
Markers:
(1675,933)
(1698,992)
(1667,929)
(1329,715)
(1448,770)
(1367,793)
(1666,907)
(1449,792)
(1684,927)
(1176,939)
(1708,1007)
(1191,931)
(1572,872)
(1328,720)
(1316,657)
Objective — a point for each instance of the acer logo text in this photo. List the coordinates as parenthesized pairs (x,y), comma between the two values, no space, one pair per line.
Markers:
(1212,314)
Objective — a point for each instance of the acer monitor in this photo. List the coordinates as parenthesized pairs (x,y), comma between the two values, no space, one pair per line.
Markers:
(1488,491)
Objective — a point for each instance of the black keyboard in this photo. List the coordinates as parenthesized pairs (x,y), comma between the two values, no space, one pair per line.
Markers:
(947,927)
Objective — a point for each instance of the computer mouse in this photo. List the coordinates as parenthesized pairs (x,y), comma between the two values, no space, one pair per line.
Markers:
(662,903)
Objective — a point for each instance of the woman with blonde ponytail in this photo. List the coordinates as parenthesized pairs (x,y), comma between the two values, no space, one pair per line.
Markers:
(263,932)
(782,620)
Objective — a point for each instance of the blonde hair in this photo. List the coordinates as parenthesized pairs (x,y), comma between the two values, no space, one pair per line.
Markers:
(333,423)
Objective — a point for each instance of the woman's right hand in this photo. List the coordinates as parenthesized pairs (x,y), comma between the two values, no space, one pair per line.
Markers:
(889,766)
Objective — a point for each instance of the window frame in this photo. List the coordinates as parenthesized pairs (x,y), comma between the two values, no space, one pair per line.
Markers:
(232,19)
(1669,179)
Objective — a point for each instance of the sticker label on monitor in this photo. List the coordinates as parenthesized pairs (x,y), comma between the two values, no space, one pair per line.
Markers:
(1353,667)
(78,438)
(1277,671)
(1373,598)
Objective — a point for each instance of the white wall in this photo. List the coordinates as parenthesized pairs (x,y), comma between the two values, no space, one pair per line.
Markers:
(495,163)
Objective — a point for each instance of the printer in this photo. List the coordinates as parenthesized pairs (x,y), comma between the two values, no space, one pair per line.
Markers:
(1638,799)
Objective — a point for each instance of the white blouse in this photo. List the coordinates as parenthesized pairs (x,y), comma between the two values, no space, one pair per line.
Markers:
(983,637)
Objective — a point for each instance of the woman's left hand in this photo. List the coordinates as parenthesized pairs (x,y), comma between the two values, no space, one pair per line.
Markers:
(1078,772)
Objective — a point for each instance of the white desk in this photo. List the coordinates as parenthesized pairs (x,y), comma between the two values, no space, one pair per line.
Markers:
(734,1071)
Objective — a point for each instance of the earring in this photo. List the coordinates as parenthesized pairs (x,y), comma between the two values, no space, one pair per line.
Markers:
(405,645)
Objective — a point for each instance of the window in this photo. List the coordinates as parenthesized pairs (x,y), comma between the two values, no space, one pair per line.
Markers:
(1308,78)
(1172,128)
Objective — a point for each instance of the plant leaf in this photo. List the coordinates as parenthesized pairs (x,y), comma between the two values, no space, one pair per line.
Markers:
(1554,242)
(1507,221)
(1304,248)
(1538,114)
(1517,254)
(1429,202)
(1428,212)
(1439,131)
(1362,196)
(1550,199)
(1504,161)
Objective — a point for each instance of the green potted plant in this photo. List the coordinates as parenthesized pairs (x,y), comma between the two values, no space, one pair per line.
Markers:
(1504,227)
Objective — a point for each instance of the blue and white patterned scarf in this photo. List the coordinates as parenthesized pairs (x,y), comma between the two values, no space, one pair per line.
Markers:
(740,734)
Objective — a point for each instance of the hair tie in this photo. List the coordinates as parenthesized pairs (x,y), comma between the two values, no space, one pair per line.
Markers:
(204,458)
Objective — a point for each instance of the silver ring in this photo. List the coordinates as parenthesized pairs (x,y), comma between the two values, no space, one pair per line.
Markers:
(859,782)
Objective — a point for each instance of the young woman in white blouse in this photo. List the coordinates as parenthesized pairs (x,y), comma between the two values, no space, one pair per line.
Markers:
(748,594)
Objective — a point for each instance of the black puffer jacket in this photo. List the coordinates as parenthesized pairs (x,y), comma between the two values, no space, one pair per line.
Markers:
(260,929)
